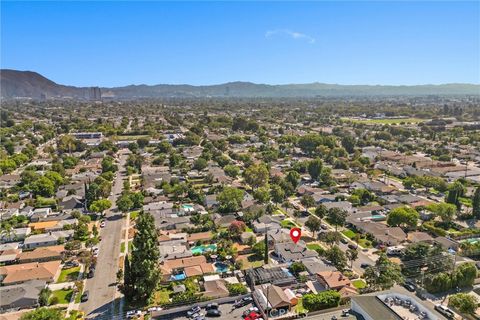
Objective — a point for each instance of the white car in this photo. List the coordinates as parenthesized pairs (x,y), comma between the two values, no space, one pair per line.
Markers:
(102,224)
(134,313)
(152,309)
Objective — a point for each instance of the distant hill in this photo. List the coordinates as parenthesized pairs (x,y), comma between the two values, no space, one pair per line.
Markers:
(15,84)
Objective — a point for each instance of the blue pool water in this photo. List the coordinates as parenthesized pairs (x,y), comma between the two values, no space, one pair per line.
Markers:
(221,267)
(179,277)
(201,249)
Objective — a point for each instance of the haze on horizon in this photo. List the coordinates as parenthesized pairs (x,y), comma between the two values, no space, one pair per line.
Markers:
(120,43)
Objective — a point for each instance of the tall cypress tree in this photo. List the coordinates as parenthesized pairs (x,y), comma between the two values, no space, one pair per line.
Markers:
(144,266)
(127,278)
(476,203)
(265,257)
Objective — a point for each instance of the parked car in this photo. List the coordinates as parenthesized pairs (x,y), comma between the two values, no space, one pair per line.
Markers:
(211,306)
(445,311)
(352,246)
(71,264)
(409,286)
(324,226)
(194,310)
(102,224)
(364,265)
(134,313)
(84,297)
(345,313)
(214,313)
(343,240)
(242,302)
(91,273)
(152,309)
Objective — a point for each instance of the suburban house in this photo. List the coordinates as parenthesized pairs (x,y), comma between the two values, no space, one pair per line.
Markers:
(47,239)
(179,269)
(215,289)
(21,296)
(19,273)
(333,280)
(290,252)
(42,254)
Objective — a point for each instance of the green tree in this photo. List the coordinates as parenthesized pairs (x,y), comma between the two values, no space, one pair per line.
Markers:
(277,193)
(293,177)
(313,224)
(307,201)
(262,194)
(455,191)
(446,211)
(236,289)
(337,217)
(337,257)
(230,199)
(44,296)
(144,270)
(384,275)
(464,302)
(315,168)
(321,211)
(43,187)
(200,164)
(124,203)
(100,205)
(352,255)
(231,170)
(43,314)
(297,267)
(323,300)
(348,142)
(259,248)
(476,203)
(256,175)
(403,216)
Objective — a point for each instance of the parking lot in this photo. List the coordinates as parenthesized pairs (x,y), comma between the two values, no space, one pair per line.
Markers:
(227,312)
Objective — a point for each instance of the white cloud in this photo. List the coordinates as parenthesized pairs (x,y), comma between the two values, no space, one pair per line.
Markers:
(289,33)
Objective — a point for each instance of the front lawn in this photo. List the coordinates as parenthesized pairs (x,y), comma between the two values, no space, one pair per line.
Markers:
(299,307)
(314,246)
(288,224)
(69,274)
(251,261)
(349,233)
(359,284)
(61,296)
(365,243)
(161,297)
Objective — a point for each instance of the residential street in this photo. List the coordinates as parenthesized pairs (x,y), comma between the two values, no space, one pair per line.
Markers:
(102,287)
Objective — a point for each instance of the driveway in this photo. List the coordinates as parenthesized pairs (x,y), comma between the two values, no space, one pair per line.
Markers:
(102,287)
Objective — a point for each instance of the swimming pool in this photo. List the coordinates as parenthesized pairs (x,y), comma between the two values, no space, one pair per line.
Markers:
(178,277)
(203,248)
(187,206)
(221,267)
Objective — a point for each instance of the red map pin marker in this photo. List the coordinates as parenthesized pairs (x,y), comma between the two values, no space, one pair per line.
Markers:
(295,234)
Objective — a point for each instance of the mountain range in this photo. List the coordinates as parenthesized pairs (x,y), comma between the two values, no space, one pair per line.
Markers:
(28,84)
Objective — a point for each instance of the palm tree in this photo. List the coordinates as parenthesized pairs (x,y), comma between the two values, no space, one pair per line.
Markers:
(352,255)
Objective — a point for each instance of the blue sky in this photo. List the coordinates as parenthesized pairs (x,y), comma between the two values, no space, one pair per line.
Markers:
(121,43)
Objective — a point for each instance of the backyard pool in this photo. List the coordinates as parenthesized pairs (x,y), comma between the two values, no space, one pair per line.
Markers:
(178,277)
(221,267)
(203,248)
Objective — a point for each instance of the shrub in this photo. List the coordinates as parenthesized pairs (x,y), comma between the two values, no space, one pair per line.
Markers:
(322,300)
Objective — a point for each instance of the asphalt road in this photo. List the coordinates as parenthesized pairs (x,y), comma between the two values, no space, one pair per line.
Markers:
(102,287)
